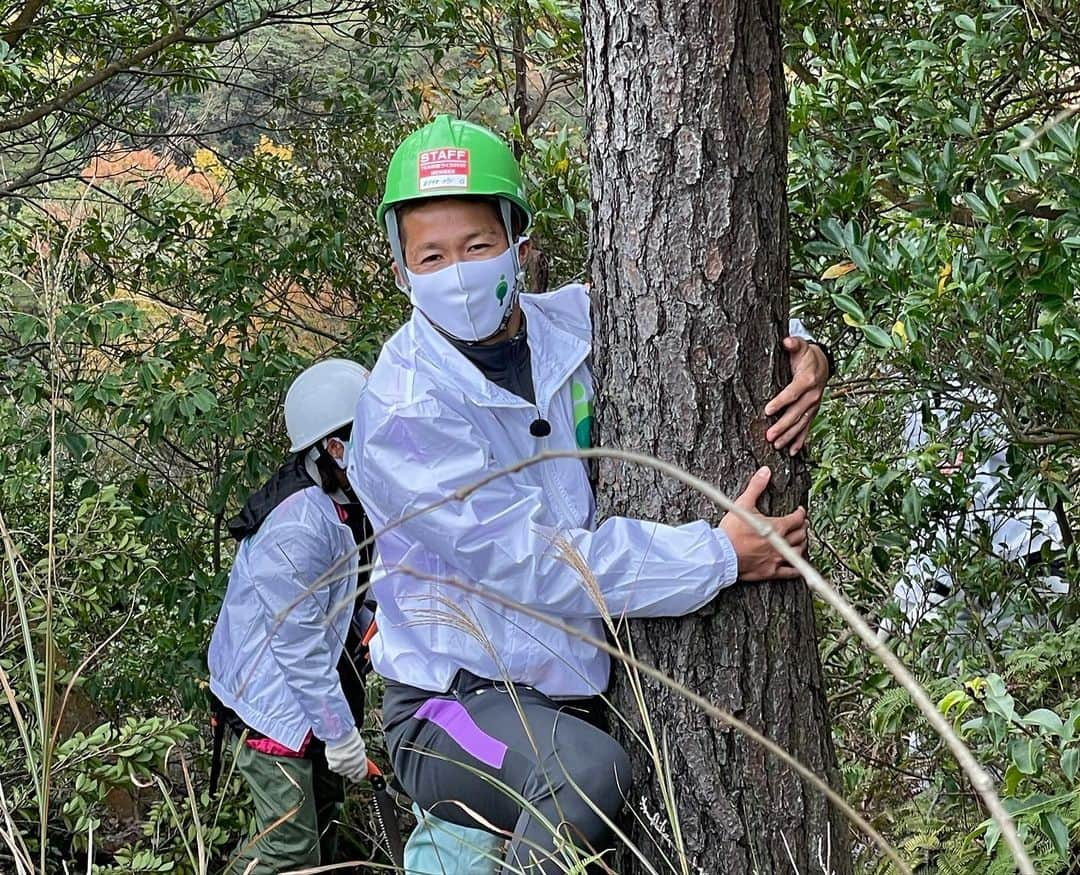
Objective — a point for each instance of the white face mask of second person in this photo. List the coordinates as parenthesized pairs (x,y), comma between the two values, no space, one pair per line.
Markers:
(469,300)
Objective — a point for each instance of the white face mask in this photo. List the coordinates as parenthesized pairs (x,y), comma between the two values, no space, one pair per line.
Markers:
(470,300)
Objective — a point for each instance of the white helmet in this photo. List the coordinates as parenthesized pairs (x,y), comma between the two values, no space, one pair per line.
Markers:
(321,400)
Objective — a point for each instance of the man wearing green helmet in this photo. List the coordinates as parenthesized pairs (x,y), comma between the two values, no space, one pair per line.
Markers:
(448,157)
(492,715)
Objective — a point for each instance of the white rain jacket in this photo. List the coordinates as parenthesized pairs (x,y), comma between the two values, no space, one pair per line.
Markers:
(274,653)
(430,423)
(1017,528)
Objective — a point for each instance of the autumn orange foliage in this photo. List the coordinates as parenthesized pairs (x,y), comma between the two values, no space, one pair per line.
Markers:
(286,304)
(140,167)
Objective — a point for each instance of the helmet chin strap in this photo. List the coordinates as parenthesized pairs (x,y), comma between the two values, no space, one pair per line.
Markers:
(343,494)
(449,336)
(394,236)
(507,217)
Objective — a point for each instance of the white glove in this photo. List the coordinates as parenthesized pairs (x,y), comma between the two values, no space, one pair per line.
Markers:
(348,757)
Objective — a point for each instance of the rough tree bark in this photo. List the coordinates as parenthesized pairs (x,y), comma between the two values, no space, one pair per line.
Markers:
(686,104)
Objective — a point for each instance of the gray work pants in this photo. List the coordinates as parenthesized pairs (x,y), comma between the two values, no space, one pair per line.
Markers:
(530,768)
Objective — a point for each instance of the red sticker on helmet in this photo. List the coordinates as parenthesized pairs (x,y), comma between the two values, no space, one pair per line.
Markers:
(444,168)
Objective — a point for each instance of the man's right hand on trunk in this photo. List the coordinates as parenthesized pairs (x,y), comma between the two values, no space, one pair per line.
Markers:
(758,559)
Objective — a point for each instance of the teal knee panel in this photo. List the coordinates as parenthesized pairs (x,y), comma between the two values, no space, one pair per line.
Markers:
(437,847)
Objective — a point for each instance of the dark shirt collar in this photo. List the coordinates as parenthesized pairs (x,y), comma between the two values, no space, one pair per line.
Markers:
(507,363)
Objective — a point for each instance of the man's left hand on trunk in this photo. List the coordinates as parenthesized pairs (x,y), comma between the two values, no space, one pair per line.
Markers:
(797,404)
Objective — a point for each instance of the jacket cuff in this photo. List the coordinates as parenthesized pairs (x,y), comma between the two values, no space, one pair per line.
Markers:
(796,328)
(334,723)
(829,358)
(727,562)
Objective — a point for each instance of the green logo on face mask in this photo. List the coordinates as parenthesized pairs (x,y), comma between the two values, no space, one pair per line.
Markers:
(501,289)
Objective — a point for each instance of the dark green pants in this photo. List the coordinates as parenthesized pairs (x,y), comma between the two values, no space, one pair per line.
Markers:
(297,806)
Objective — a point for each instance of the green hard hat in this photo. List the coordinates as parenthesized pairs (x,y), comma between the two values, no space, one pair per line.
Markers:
(448,158)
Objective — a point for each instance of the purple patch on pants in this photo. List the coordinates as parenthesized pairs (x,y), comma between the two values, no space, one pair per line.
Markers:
(450,716)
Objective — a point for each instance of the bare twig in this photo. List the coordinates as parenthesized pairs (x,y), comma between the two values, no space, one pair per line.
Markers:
(980,780)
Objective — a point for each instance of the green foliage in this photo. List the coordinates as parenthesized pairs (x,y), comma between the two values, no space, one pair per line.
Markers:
(149,345)
(1040,751)
(1033,754)
(88,78)
(934,208)
(106,758)
(951,218)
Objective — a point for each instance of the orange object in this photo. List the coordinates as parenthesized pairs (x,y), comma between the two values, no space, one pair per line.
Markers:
(369,634)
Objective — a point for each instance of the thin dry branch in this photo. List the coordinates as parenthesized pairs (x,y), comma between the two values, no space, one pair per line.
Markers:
(980,780)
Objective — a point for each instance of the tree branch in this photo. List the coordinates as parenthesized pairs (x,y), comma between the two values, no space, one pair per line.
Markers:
(177,35)
(22,24)
(1028,204)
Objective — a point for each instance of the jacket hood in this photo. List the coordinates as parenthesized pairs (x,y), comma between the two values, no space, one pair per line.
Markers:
(289,479)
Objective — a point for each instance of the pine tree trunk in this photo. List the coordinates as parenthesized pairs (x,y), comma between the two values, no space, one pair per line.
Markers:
(686,106)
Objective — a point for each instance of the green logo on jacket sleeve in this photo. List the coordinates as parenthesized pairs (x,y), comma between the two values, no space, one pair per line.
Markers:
(582,415)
